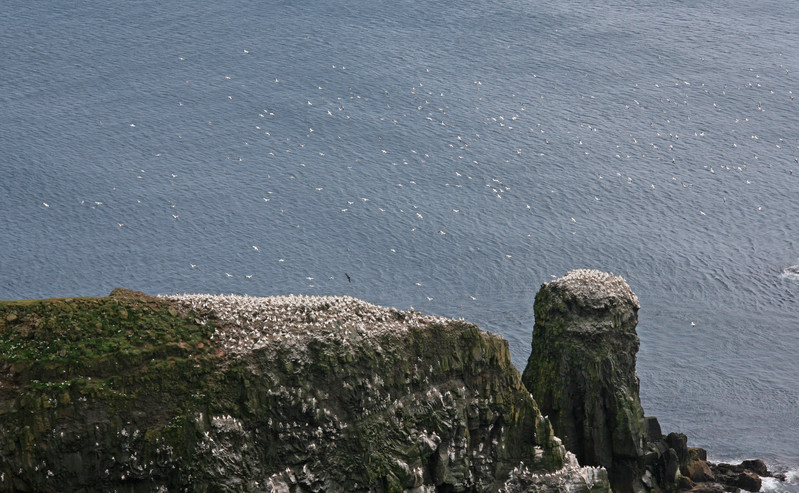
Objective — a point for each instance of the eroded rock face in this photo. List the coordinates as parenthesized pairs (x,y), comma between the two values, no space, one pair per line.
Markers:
(200,393)
(582,371)
(582,374)
(572,478)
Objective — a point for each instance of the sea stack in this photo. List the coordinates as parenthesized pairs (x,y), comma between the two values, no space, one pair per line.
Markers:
(582,372)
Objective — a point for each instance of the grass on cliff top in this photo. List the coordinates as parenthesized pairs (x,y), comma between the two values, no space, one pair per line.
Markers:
(61,338)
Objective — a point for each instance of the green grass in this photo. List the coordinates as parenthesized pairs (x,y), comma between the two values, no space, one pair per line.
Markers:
(61,339)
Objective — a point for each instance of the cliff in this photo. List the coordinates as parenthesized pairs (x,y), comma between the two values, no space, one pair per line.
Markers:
(582,371)
(226,393)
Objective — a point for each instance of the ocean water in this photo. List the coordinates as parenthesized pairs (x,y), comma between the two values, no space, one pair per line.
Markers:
(439,155)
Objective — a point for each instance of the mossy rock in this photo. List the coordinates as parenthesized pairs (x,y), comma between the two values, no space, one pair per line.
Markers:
(133,392)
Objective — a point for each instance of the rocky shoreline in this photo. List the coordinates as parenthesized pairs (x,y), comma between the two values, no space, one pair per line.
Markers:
(291,394)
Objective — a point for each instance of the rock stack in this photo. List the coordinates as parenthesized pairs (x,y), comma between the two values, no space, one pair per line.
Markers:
(582,375)
(582,371)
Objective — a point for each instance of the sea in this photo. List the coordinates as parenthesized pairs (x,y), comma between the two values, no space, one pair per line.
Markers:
(444,156)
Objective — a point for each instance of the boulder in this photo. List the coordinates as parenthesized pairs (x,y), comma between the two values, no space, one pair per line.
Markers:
(748,481)
(678,442)
(741,475)
(756,466)
(699,471)
(684,483)
(697,453)
(653,431)
(581,371)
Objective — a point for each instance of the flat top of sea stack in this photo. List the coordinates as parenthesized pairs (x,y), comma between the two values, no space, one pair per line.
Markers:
(593,287)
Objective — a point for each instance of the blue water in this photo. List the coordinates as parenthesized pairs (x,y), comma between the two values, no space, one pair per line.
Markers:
(445,156)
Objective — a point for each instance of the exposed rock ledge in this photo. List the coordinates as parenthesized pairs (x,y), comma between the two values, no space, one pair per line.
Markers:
(285,394)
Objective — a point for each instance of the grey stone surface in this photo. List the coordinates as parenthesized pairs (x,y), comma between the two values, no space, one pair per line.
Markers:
(582,371)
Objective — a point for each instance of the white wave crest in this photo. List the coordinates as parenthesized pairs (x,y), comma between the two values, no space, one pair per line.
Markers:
(791,273)
(790,485)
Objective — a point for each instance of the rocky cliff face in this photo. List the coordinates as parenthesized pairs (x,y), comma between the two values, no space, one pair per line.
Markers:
(205,393)
(582,374)
(582,371)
